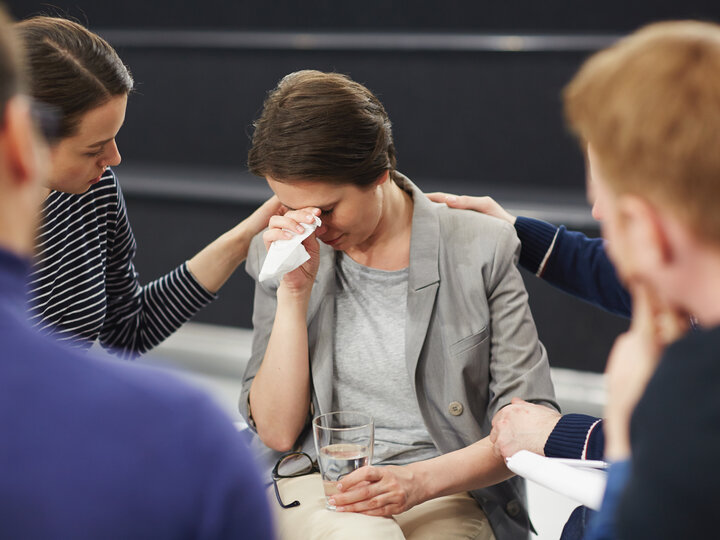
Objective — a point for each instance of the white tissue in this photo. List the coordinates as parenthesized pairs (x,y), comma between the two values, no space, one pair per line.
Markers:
(286,255)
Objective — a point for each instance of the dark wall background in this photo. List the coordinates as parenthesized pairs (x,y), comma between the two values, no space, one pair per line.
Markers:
(437,15)
(467,118)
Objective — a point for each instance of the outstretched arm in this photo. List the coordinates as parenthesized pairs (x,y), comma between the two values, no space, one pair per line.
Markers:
(218,260)
(568,260)
(141,317)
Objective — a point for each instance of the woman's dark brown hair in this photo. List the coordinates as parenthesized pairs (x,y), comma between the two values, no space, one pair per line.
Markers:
(324,127)
(71,68)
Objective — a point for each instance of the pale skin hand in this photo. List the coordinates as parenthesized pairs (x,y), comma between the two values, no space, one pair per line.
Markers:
(216,263)
(632,362)
(280,392)
(300,280)
(522,426)
(391,490)
(484,205)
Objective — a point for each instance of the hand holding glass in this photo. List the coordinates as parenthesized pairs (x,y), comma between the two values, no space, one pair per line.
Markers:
(344,442)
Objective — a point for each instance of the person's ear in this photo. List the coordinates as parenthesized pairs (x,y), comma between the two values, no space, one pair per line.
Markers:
(645,233)
(382,178)
(21,147)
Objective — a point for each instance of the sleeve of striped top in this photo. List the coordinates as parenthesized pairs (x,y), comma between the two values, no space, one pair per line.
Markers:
(141,317)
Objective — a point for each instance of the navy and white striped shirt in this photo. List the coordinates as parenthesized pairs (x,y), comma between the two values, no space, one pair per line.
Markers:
(84,285)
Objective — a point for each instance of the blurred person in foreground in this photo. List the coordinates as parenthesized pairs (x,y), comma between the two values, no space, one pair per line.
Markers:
(647,111)
(93,448)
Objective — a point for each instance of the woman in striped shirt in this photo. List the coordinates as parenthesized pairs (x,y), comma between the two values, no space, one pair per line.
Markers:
(84,287)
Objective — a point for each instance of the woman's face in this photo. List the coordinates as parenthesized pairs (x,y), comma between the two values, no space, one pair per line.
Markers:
(350,214)
(78,161)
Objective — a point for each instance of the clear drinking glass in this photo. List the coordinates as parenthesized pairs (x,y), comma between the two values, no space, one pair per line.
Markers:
(344,442)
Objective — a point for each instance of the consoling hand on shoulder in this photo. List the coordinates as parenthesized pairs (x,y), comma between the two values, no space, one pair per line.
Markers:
(484,205)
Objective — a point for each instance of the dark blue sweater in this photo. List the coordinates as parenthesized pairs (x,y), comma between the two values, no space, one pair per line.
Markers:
(573,263)
(578,265)
(94,448)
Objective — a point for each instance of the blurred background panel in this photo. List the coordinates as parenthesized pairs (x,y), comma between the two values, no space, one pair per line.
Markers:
(451,15)
(473,90)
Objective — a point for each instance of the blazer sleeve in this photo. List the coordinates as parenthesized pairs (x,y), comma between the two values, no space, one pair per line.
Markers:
(518,361)
(264,307)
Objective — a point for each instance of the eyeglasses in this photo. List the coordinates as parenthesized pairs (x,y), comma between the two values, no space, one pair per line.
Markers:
(292,465)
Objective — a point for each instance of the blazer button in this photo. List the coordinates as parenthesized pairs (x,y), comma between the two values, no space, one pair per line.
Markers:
(513,508)
(455,408)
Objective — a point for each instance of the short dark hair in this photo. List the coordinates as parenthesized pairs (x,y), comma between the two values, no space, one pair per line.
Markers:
(324,127)
(71,68)
(11,81)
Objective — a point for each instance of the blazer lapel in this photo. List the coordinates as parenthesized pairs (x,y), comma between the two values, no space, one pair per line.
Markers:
(424,275)
(320,320)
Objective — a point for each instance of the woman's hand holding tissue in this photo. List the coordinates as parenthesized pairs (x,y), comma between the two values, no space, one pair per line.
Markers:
(287,226)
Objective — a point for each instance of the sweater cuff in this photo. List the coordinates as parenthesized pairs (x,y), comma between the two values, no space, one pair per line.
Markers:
(570,436)
(536,238)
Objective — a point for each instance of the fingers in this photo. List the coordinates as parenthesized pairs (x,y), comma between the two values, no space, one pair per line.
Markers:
(672,326)
(283,227)
(359,493)
(643,310)
(455,201)
(654,319)
(363,474)
(292,220)
(384,504)
(484,205)
(439,197)
(311,243)
(372,491)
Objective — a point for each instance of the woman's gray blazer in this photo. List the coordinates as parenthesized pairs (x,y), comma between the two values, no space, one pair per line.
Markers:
(471,343)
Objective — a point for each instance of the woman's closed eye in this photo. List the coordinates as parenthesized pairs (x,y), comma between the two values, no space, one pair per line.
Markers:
(95,153)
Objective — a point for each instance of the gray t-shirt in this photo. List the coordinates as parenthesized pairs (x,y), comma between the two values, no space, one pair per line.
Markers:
(370,372)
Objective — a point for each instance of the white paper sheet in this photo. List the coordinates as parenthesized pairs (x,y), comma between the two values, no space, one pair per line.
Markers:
(585,486)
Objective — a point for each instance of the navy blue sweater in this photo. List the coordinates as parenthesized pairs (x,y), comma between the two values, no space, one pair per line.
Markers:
(573,263)
(95,448)
(578,265)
